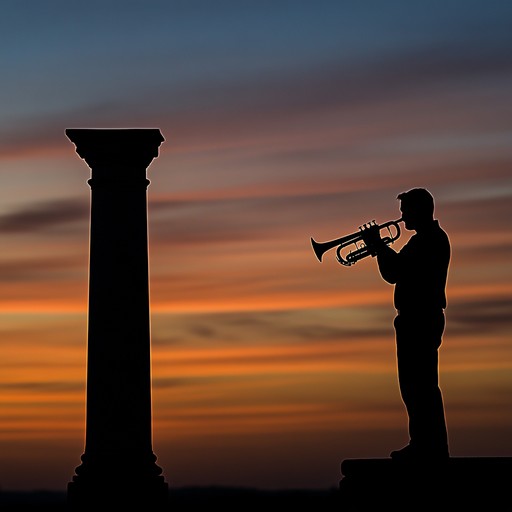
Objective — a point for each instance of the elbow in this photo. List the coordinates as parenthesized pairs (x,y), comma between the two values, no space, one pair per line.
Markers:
(389,279)
(387,274)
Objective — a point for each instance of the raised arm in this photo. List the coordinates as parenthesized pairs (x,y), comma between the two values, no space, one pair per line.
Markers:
(388,261)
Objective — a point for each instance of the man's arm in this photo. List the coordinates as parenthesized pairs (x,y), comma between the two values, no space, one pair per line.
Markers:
(388,262)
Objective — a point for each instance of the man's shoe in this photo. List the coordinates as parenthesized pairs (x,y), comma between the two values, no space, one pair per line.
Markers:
(411,453)
(406,453)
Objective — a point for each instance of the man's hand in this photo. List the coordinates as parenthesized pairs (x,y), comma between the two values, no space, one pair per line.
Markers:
(370,233)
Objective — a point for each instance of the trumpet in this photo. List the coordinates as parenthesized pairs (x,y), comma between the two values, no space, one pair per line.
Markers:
(362,250)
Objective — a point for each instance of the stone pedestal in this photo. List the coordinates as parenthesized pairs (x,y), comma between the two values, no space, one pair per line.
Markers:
(118,465)
(460,483)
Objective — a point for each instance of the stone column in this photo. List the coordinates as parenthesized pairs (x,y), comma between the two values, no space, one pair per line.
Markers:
(118,464)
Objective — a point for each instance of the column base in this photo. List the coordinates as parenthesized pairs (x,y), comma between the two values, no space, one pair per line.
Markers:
(100,481)
(463,483)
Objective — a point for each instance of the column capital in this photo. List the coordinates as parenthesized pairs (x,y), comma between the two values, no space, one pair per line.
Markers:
(116,148)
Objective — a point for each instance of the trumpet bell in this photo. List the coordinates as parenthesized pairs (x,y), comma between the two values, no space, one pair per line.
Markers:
(317,249)
(320,248)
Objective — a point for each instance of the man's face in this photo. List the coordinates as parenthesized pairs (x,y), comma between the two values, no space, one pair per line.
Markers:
(408,216)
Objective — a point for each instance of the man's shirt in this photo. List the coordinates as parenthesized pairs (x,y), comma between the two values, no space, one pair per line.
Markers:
(419,270)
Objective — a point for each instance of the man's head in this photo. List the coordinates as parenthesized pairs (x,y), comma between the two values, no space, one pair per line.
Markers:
(417,207)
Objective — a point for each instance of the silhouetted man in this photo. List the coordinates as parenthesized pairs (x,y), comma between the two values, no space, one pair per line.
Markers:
(419,272)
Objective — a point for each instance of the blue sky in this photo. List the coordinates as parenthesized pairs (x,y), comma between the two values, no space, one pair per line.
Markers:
(68,60)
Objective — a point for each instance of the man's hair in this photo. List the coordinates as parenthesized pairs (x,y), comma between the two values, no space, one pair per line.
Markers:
(420,199)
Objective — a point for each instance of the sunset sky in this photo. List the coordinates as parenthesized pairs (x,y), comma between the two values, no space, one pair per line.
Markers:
(283,120)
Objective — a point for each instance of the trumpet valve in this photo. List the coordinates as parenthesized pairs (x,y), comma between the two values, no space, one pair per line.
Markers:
(368,225)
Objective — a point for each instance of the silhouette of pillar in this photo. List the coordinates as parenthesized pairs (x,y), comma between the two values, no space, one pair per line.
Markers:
(118,464)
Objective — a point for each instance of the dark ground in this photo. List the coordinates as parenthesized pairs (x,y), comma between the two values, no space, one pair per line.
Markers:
(467,484)
(192,498)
